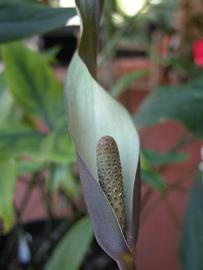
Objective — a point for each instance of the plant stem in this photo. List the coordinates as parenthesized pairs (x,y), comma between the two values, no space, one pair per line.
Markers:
(127,263)
(126,266)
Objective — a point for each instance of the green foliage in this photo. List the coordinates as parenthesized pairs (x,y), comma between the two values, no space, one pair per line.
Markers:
(151,159)
(40,101)
(6,100)
(182,103)
(125,81)
(150,175)
(17,139)
(38,94)
(164,14)
(7,184)
(71,250)
(24,167)
(163,159)
(192,237)
(153,179)
(63,177)
(20,19)
(32,126)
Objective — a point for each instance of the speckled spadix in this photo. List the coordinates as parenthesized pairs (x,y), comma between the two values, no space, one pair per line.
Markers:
(92,115)
(110,176)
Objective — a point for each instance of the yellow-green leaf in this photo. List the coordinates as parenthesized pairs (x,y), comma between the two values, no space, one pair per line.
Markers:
(7,188)
(70,252)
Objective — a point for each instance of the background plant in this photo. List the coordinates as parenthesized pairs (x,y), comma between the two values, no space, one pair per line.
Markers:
(34,143)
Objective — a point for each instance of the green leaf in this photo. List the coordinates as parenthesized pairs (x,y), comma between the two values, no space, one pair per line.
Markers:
(160,159)
(20,19)
(6,106)
(192,237)
(182,103)
(71,250)
(63,178)
(150,176)
(33,84)
(29,166)
(6,100)
(7,189)
(58,148)
(17,140)
(125,81)
(2,81)
(153,179)
(50,54)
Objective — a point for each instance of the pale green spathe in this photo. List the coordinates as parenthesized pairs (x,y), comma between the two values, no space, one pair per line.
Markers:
(93,113)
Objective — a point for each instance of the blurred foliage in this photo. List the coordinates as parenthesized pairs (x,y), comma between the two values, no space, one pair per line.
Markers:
(37,95)
(33,129)
(7,184)
(137,29)
(182,103)
(22,18)
(164,15)
(151,160)
(34,141)
(38,99)
(125,81)
(164,159)
(74,245)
